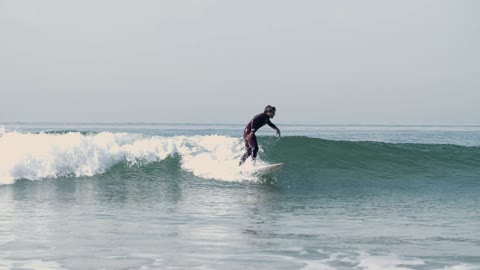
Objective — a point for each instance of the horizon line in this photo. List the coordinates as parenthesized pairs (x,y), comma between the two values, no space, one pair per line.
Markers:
(235,124)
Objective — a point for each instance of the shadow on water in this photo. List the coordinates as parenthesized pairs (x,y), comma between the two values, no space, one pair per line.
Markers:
(154,183)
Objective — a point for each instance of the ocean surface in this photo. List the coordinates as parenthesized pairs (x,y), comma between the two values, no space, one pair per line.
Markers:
(172,196)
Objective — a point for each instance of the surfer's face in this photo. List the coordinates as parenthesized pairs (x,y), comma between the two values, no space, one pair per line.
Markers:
(271,114)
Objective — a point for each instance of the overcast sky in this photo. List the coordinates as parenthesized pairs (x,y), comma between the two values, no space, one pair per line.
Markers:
(326,62)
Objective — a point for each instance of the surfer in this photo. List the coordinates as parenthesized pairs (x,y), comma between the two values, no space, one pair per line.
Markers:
(256,123)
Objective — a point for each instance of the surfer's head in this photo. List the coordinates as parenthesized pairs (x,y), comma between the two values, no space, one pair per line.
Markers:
(270,111)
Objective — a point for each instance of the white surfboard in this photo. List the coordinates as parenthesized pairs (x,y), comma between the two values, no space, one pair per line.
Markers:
(267,169)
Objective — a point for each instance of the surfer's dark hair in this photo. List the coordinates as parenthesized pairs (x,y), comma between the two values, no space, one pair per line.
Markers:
(270,109)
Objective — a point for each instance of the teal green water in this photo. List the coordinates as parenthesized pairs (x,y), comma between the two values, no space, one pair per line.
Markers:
(138,198)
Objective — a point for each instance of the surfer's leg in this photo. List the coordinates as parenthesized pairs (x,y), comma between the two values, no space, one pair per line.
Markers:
(248,152)
(244,157)
(254,145)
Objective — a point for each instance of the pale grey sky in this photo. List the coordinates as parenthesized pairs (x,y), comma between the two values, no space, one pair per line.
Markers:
(327,62)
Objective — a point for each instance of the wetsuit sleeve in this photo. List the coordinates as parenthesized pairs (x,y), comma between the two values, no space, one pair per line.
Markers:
(272,125)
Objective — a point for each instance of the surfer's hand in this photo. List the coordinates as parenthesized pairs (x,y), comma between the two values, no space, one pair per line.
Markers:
(278,133)
(249,136)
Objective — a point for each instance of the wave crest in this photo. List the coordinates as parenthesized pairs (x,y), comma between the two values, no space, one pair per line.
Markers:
(38,156)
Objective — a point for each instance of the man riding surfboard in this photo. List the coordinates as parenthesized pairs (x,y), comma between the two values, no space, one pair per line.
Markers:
(258,121)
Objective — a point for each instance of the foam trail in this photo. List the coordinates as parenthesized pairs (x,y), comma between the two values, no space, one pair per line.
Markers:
(39,156)
(392,262)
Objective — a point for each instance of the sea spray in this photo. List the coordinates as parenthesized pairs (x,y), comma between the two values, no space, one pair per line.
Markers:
(39,156)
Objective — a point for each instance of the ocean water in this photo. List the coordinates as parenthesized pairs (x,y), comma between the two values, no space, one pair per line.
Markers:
(171,196)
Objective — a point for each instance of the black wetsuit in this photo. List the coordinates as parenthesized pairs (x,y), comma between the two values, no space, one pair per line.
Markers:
(251,145)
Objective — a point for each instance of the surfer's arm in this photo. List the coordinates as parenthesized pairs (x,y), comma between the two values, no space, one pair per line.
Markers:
(252,130)
(272,125)
(253,123)
(252,126)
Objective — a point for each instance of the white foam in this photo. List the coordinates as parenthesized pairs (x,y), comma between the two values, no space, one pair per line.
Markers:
(461,267)
(365,261)
(390,262)
(39,156)
(30,264)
